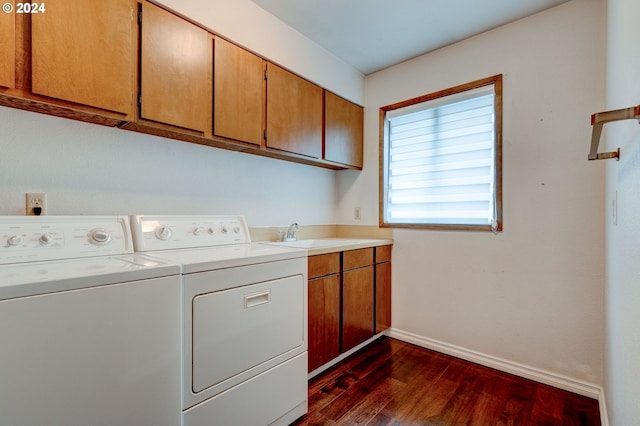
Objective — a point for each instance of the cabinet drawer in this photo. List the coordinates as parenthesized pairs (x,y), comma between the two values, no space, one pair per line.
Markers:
(324,264)
(383,254)
(357,258)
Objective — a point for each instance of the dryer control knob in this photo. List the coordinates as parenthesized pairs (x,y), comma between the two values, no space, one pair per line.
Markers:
(163,233)
(99,237)
(197,230)
(236,230)
(14,240)
(224,230)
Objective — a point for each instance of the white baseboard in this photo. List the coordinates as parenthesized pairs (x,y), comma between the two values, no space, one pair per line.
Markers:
(549,378)
(604,416)
(343,355)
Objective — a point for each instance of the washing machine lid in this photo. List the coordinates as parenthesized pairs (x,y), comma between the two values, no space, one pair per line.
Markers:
(212,258)
(35,278)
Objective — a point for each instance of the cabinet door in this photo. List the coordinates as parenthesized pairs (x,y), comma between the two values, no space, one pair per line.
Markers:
(8,48)
(343,127)
(175,76)
(82,52)
(324,320)
(357,307)
(238,93)
(383,296)
(294,113)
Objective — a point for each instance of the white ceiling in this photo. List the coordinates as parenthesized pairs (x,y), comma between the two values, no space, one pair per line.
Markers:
(375,34)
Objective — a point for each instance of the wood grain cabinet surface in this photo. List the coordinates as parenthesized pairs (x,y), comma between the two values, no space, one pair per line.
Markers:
(357,297)
(343,131)
(324,309)
(82,52)
(138,66)
(324,320)
(382,288)
(294,113)
(349,300)
(239,93)
(176,62)
(7,49)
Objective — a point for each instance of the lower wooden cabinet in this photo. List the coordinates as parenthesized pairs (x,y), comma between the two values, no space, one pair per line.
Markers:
(357,297)
(349,300)
(324,309)
(357,307)
(324,320)
(382,289)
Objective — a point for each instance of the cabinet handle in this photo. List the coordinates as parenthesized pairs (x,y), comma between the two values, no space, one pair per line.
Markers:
(256,299)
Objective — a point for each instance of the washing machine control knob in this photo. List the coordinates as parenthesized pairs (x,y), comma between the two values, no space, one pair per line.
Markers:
(236,230)
(224,230)
(14,240)
(44,239)
(99,237)
(163,233)
(197,230)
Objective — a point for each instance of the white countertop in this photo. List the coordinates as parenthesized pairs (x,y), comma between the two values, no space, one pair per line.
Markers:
(317,246)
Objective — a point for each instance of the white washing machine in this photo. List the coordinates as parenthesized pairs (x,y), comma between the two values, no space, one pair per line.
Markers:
(89,331)
(244,319)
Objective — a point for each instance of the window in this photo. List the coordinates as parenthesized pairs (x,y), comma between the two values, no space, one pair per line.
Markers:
(441,159)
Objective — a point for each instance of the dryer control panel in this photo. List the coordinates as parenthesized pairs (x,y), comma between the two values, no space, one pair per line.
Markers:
(180,232)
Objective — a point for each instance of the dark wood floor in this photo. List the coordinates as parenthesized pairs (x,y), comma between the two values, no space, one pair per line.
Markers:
(395,383)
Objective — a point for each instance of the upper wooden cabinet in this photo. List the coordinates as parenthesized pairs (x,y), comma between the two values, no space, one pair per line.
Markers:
(82,51)
(343,127)
(294,113)
(238,93)
(7,49)
(176,62)
(138,66)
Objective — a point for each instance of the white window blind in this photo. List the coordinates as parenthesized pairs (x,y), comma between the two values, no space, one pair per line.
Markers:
(440,161)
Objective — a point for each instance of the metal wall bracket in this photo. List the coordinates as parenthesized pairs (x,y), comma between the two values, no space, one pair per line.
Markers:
(599,119)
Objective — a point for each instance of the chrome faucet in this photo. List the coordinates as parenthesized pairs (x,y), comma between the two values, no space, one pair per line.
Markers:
(290,235)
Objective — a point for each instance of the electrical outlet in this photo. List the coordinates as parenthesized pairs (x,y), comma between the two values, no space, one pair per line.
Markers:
(36,204)
(357,213)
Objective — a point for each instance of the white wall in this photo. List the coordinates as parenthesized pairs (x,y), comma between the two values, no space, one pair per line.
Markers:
(622,344)
(89,169)
(532,294)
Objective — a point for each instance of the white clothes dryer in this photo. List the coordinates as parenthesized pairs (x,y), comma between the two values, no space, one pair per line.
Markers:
(244,319)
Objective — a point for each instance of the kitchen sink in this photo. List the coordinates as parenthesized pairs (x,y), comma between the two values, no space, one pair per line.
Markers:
(316,243)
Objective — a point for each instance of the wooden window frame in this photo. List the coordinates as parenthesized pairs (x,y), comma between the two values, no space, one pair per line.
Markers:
(496,81)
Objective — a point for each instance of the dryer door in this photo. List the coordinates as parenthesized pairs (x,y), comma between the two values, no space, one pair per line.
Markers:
(238,329)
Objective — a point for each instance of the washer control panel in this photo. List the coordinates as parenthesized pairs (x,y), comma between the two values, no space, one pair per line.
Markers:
(40,238)
(177,232)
